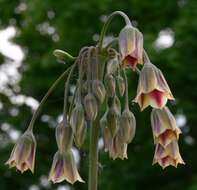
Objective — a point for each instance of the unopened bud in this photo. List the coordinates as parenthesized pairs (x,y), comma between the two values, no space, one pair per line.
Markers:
(110,84)
(91,107)
(64,136)
(121,85)
(113,121)
(62,55)
(80,136)
(77,118)
(112,65)
(127,126)
(99,90)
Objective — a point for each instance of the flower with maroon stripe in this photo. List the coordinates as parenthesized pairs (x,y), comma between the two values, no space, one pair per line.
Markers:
(169,155)
(64,168)
(152,88)
(23,153)
(131,46)
(164,126)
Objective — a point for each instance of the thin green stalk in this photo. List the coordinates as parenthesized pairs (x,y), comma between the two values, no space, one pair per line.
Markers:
(36,113)
(112,43)
(67,88)
(106,25)
(93,155)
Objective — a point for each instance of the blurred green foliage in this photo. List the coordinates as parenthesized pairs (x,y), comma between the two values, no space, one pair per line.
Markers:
(75,24)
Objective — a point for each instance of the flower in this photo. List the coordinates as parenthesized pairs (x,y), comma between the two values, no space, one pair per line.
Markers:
(64,168)
(131,46)
(118,149)
(168,156)
(23,154)
(152,88)
(164,126)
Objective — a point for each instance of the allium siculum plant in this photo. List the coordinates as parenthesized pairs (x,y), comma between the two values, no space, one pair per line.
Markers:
(96,110)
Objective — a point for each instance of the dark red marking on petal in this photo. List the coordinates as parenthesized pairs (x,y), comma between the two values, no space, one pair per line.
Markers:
(157,96)
(167,134)
(130,60)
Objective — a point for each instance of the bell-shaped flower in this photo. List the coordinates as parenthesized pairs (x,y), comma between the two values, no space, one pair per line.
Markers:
(164,126)
(64,168)
(131,46)
(23,153)
(152,88)
(169,155)
(118,148)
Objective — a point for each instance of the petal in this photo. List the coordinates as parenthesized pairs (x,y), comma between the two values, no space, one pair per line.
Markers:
(127,40)
(139,47)
(157,99)
(130,61)
(166,138)
(162,84)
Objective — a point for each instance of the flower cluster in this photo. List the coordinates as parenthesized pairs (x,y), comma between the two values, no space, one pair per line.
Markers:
(100,103)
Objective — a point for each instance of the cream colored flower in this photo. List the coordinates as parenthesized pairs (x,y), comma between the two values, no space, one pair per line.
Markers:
(23,153)
(131,46)
(164,126)
(168,156)
(152,88)
(64,168)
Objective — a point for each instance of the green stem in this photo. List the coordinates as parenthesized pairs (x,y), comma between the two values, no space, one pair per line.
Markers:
(106,25)
(36,113)
(93,155)
(112,43)
(145,56)
(66,90)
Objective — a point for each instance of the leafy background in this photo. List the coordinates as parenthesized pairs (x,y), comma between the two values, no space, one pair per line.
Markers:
(27,69)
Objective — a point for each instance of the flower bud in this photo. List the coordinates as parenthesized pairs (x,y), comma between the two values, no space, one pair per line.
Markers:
(91,107)
(99,90)
(112,65)
(77,119)
(80,136)
(107,138)
(113,120)
(121,85)
(118,149)
(64,168)
(64,136)
(164,126)
(168,156)
(152,89)
(23,153)
(127,126)
(131,46)
(110,85)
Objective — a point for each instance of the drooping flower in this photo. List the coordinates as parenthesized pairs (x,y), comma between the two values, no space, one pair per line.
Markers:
(23,154)
(164,126)
(131,46)
(169,155)
(64,168)
(152,88)
(118,148)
